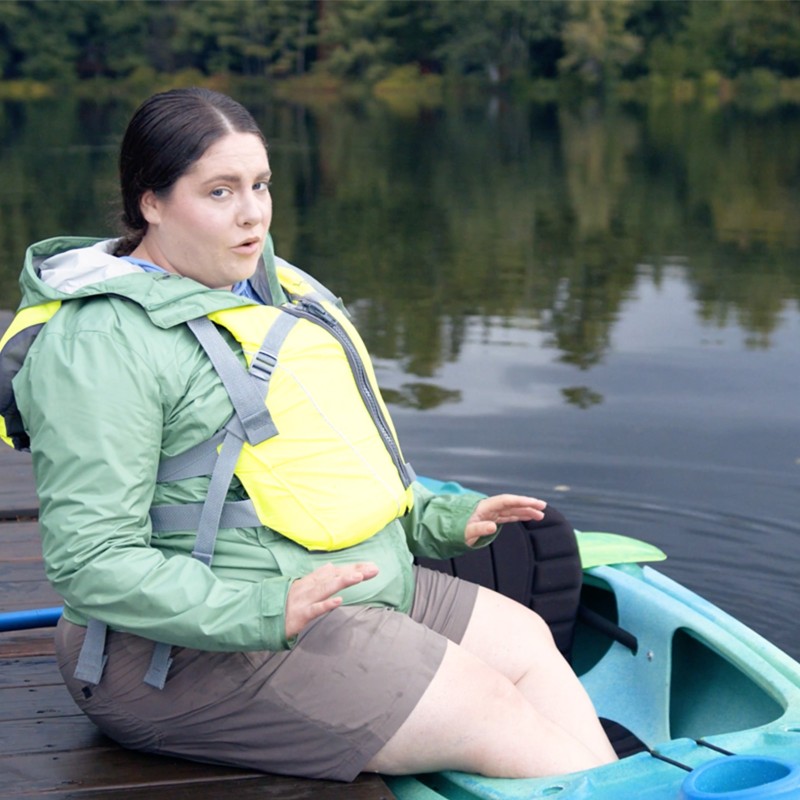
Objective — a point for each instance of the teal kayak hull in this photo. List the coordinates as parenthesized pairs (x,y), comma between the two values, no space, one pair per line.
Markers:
(697,682)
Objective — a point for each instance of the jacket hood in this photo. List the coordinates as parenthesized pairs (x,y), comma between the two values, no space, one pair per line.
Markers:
(76,267)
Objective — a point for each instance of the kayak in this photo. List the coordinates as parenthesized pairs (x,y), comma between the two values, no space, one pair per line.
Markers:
(714,706)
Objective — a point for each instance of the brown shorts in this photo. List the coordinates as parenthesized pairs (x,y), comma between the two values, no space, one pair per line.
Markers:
(320,710)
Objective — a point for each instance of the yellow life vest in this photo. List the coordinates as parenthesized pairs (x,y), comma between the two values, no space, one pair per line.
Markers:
(333,475)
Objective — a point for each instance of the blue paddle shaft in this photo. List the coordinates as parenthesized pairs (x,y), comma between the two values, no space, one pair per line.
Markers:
(34,618)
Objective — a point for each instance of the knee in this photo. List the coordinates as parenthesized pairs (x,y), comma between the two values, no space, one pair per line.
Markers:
(539,628)
(531,627)
(536,648)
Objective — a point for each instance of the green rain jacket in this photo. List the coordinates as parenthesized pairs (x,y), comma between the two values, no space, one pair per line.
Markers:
(114,383)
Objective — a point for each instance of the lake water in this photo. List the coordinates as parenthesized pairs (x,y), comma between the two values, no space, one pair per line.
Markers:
(595,305)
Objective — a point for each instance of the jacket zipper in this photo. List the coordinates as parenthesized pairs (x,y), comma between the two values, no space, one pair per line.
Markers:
(313,312)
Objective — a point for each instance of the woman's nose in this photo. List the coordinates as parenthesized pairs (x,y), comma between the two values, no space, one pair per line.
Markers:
(251,210)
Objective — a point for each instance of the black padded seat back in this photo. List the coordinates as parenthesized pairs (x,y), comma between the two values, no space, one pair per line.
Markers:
(536,564)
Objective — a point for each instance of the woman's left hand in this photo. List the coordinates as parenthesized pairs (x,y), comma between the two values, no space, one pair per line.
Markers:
(494,511)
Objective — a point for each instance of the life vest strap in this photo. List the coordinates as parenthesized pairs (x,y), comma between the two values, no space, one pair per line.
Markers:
(211,514)
(245,393)
(207,527)
(186,517)
(197,460)
(92,658)
(160,662)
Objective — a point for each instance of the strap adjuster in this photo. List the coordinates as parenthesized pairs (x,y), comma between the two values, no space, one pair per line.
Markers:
(263,365)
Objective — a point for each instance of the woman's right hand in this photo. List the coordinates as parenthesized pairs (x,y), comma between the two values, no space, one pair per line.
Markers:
(313,595)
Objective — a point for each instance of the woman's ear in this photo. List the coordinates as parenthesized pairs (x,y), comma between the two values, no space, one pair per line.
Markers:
(150,207)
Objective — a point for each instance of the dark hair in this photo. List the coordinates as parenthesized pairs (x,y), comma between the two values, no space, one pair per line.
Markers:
(166,135)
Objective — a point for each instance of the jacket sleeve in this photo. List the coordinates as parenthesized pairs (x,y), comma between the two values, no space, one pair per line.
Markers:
(95,408)
(435,528)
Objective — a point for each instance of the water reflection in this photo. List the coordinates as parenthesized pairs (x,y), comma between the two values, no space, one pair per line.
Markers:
(605,299)
(421,396)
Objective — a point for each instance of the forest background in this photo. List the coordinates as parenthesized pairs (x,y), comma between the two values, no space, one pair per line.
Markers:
(723,51)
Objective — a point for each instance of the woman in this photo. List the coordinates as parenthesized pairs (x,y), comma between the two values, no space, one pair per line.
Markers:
(280,655)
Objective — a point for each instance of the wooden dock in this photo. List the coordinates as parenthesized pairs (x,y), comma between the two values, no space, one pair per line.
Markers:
(48,748)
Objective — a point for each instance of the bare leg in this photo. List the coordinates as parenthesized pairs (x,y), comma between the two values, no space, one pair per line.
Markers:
(518,644)
(474,719)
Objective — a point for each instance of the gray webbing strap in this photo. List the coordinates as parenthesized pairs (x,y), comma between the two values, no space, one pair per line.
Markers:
(215,500)
(244,393)
(204,543)
(197,460)
(264,360)
(160,662)
(92,658)
(186,517)
(200,459)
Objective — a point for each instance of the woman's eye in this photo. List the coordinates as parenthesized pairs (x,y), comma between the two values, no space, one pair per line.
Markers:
(262,186)
(221,192)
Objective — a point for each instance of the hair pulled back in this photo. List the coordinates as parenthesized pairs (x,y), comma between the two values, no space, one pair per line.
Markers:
(168,133)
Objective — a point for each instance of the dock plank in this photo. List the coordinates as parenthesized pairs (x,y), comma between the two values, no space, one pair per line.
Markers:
(27,594)
(35,702)
(30,671)
(51,735)
(22,570)
(48,748)
(19,536)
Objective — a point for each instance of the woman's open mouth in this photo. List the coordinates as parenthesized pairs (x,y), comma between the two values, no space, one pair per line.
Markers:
(248,247)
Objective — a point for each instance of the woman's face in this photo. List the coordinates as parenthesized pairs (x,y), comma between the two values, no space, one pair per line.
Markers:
(212,224)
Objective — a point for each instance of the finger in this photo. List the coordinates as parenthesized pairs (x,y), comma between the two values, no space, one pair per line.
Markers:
(298,614)
(510,503)
(485,528)
(522,501)
(519,515)
(322,607)
(479,529)
(367,569)
(329,579)
(516,498)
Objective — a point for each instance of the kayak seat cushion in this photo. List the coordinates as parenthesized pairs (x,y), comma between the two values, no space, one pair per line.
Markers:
(536,564)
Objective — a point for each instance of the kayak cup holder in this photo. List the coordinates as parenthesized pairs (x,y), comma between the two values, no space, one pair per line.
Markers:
(743,778)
